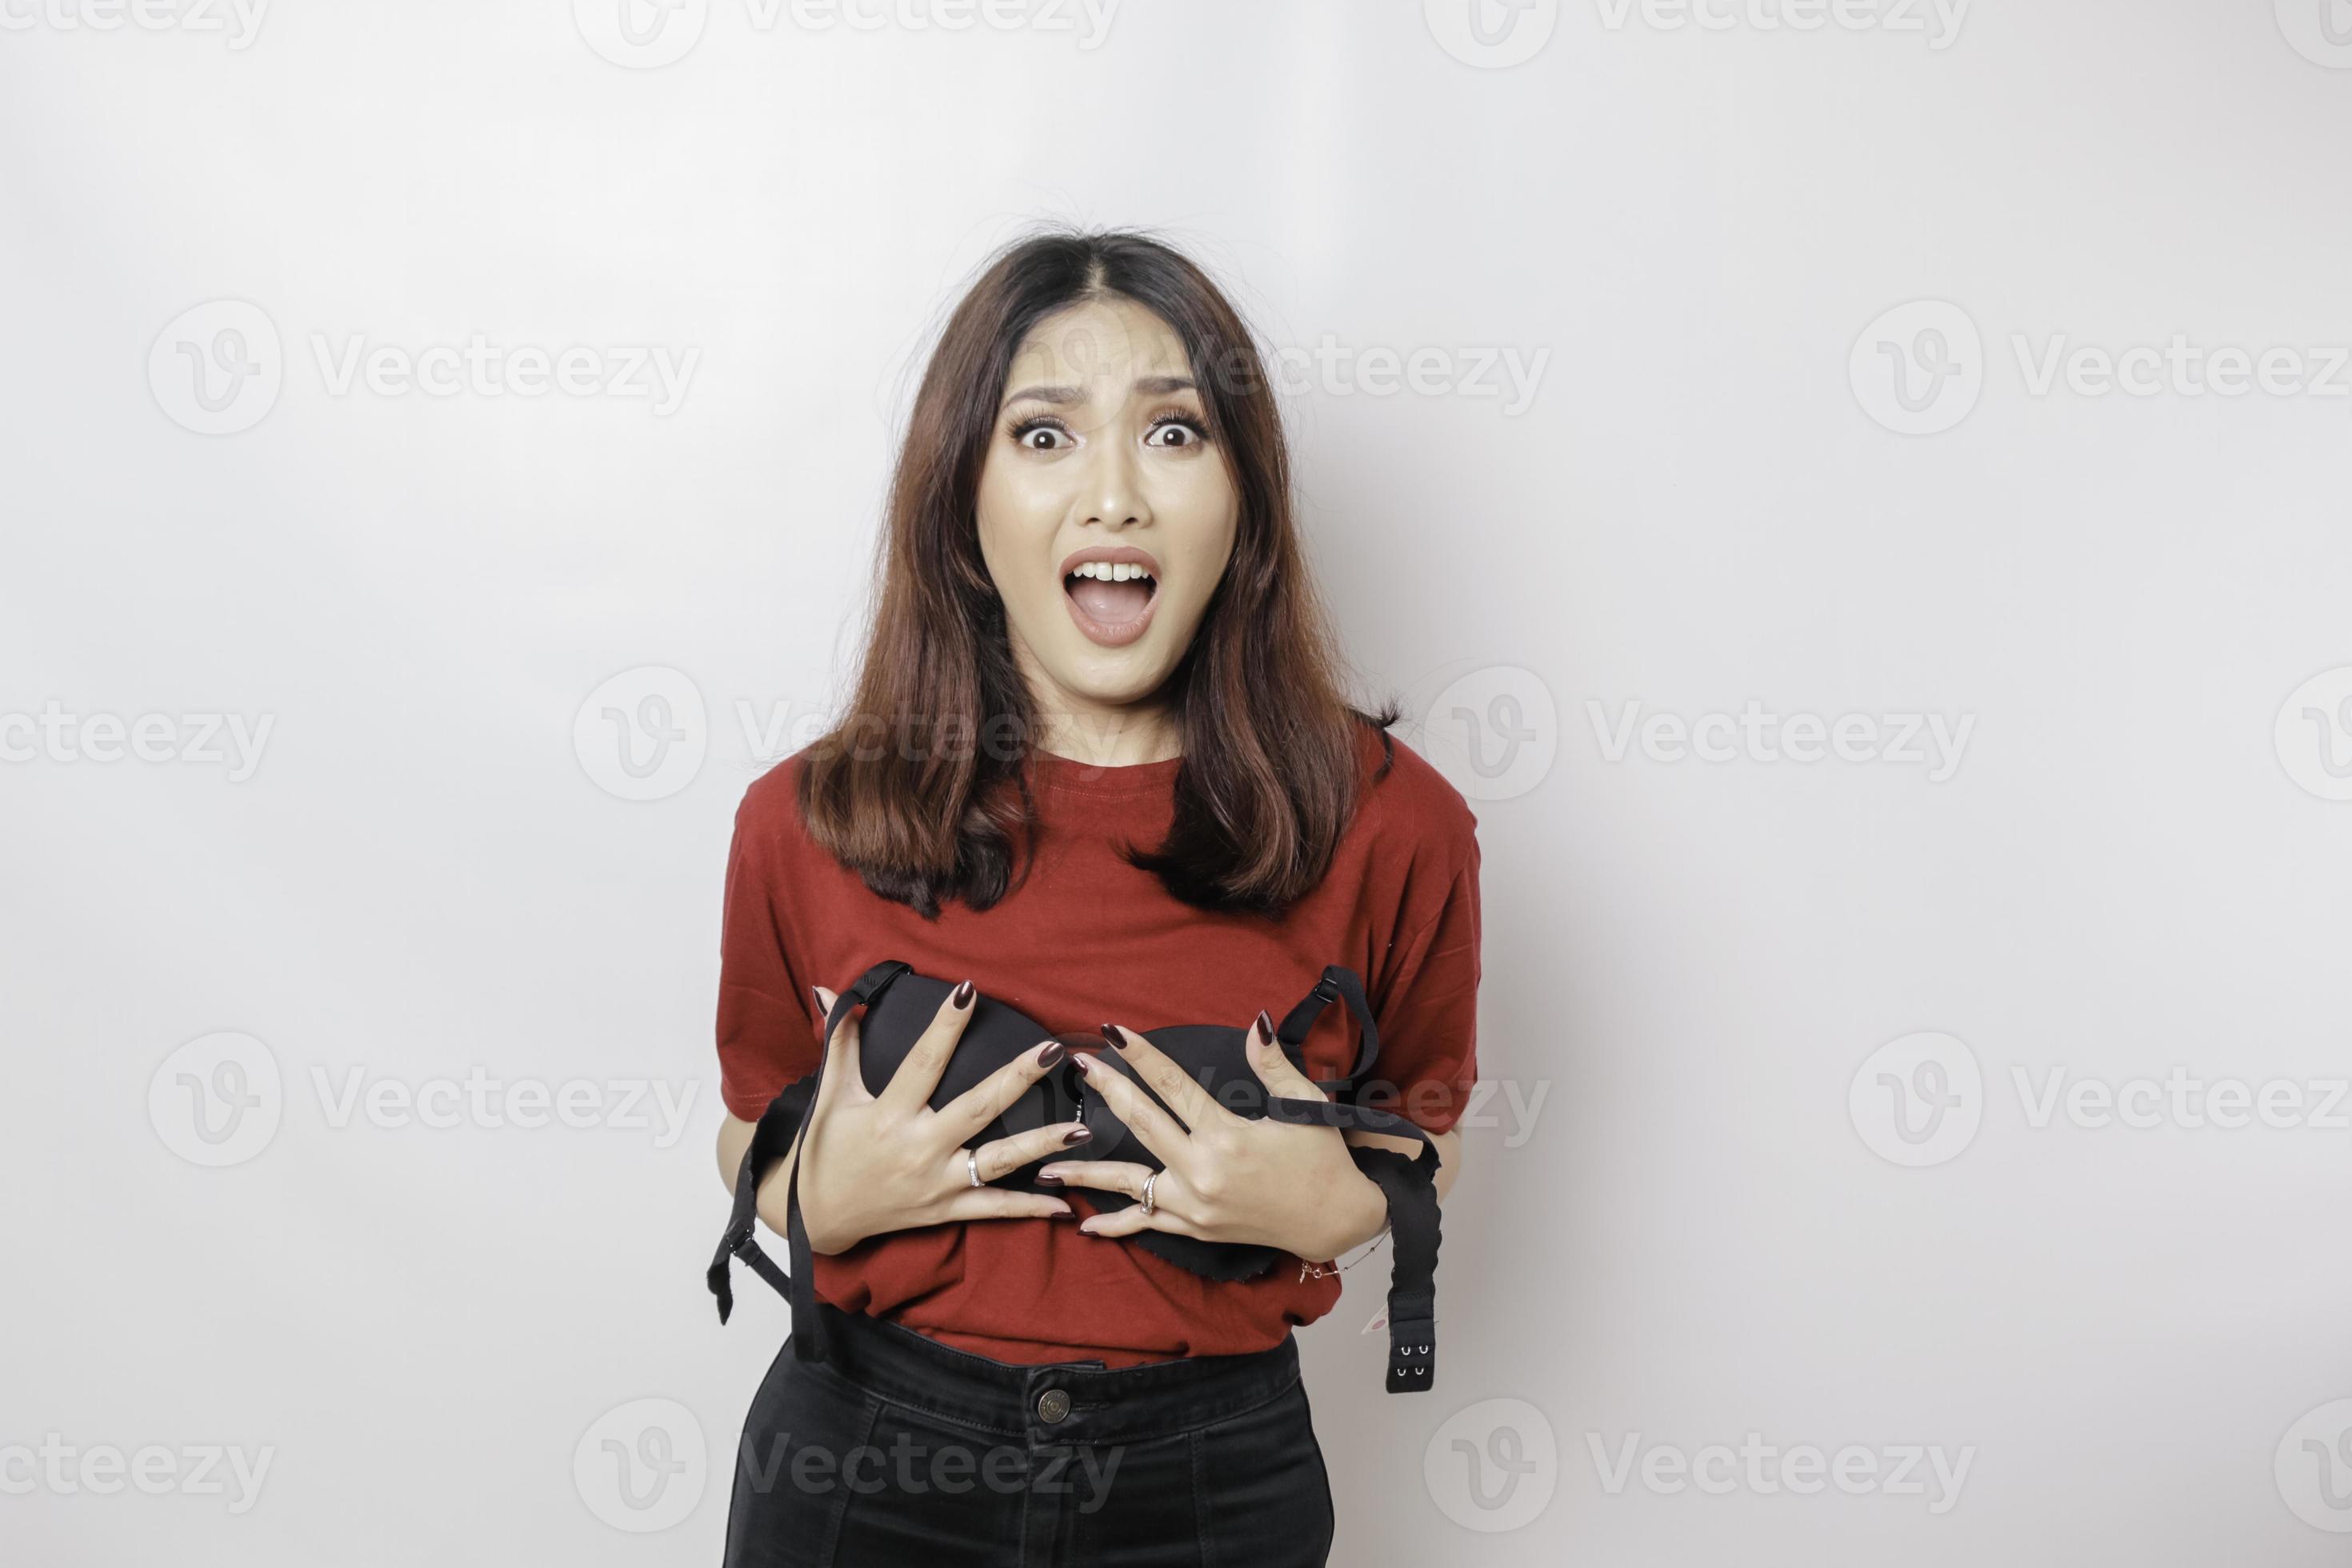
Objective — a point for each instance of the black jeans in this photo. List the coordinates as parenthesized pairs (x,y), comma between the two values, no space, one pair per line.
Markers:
(903,1450)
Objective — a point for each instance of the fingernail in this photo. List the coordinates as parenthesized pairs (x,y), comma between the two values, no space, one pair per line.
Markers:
(962,997)
(1088,1225)
(817,997)
(1111,1033)
(1083,1060)
(1053,1053)
(1049,1181)
(1265,1027)
(1078,1135)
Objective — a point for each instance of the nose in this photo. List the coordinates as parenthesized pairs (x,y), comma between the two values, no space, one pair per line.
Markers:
(1113,492)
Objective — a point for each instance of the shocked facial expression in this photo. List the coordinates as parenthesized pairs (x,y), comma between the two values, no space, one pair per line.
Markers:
(1106,513)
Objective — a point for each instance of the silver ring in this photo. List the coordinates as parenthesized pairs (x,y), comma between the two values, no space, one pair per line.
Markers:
(1147,1205)
(972,1163)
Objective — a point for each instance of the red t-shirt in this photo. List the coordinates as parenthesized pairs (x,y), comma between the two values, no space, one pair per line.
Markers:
(1085,939)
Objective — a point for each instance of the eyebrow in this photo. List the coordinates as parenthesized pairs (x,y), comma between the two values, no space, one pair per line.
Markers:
(1150,385)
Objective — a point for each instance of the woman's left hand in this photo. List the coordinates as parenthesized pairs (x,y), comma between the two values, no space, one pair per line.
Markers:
(1228,1177)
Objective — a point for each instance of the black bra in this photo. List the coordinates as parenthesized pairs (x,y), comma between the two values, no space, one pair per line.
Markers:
(900,1005)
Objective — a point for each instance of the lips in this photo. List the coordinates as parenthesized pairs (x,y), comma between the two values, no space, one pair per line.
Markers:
(1111,613)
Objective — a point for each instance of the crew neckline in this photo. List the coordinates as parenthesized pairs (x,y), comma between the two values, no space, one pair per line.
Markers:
(1123,779)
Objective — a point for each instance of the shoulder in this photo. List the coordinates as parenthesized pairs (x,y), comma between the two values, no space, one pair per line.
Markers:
(1409,808)
(768,818)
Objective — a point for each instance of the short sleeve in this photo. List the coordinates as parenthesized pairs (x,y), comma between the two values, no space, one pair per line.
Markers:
(767,1031)
(1426,1001)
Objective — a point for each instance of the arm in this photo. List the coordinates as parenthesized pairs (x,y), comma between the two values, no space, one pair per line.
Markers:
(1376,1207)
(1449,1151)
(734,1137)
(1429,1023)
(1430,1020)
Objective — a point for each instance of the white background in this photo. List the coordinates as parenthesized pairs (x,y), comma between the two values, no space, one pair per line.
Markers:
(1695,1237)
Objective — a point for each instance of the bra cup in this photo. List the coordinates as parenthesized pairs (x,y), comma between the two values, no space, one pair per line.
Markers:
(1111,1140)
(1214,1056)
(994,1036)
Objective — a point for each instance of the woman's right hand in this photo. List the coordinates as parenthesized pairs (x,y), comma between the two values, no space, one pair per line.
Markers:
(871,1163)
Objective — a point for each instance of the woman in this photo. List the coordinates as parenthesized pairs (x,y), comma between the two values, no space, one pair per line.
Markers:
(1097,762)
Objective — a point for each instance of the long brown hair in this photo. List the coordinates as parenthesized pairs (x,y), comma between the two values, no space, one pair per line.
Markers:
(920,788)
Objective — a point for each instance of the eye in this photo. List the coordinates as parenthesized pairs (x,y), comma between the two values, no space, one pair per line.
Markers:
(1183,428)
(1025,433)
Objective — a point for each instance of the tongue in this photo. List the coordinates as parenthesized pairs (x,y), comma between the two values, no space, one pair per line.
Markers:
(1113,603)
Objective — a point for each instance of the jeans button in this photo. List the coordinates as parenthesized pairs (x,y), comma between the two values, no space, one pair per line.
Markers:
(1053,1406)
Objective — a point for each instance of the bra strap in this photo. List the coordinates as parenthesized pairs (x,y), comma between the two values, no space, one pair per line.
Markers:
(1412,1282)
(1410,1183)
(786,1116)
(1339,983)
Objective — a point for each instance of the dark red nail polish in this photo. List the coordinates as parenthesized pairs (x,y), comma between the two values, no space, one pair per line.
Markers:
(1049,1181)
(1053,1053)
(1078,1135)
(1111,1033)
(1264,1026)
(1083,1060)
(960,997)
(818,997)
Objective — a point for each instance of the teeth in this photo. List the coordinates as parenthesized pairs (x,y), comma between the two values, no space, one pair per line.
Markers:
(1108,571)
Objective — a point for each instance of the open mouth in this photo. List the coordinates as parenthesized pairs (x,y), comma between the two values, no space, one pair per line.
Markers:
(1112,601)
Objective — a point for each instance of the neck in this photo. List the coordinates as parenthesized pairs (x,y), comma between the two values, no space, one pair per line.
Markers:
(1111,737)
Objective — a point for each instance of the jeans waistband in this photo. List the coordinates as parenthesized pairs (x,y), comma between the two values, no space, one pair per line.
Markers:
(1053,1402)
